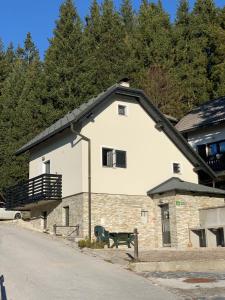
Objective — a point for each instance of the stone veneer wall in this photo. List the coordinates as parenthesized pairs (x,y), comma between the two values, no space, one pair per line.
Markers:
(114,212)
(184,214)
(55,211)
(123,213)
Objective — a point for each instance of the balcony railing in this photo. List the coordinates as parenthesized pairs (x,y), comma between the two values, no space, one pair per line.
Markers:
(217,164)
(42,187)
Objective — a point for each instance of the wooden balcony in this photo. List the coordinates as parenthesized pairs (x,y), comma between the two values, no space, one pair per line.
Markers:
(45,187)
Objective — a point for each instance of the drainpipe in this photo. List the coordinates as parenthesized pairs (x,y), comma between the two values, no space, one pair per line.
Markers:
(89,175)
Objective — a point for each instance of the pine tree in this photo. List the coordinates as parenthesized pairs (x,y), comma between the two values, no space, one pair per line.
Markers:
(23,113)
(193,51)
(153,36)
(217,61)
(64,59)
(127,14)
(4,66)
(106,50)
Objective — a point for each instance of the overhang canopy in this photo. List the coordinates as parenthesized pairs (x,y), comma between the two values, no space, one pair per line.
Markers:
(178,185)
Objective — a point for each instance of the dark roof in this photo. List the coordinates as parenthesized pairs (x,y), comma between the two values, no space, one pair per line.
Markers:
(162,123)
(210,113)
(176,184)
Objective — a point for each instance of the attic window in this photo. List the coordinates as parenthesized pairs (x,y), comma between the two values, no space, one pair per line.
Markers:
(122,110)
(176,168)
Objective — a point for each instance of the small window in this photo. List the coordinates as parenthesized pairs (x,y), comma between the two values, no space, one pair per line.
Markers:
(122,110)
(107,157)
(144,216)
(176,168)
(121,159)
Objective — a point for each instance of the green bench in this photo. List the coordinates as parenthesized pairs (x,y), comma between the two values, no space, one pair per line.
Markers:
(119,238)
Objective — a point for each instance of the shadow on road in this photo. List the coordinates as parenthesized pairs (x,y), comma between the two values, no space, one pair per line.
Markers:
(2,289)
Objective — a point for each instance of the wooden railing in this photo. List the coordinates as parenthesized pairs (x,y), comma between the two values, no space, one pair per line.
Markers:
(217,164)
(42,187)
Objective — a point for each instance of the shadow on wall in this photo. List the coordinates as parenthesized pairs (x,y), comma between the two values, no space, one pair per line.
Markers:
(3,290)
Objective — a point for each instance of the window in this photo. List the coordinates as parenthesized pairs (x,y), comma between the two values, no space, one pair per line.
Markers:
(120,159)
(107,157)
(176,168)
(144,216)
(211,151)
(114,158)
(122,110)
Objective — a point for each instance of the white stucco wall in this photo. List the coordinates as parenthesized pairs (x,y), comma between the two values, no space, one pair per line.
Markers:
(206,135)
(64,152)
(150,154)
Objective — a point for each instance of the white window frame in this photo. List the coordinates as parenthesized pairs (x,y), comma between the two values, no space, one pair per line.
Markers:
(114,149)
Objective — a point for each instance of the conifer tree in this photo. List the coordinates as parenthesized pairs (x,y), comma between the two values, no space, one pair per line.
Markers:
(127,14)
(23,113)
(64,59)
(106,51)
(153,36)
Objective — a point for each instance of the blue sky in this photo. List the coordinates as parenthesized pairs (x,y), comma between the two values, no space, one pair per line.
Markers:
(17,17)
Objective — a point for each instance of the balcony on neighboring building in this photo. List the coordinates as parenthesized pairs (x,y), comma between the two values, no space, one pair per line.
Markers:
(214,155)
(217,164)
(40,189)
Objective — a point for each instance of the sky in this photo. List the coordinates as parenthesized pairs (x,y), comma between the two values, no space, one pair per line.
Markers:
(17,17)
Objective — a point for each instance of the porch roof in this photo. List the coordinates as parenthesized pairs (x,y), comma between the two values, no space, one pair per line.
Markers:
(176,184)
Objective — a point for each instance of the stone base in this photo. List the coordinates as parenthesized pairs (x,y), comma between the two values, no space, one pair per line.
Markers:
(123,213)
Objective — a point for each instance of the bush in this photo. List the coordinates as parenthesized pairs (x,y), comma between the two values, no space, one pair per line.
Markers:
(86,243)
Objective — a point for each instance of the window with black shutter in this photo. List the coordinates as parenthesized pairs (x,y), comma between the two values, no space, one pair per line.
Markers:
(114,158)
(120,159)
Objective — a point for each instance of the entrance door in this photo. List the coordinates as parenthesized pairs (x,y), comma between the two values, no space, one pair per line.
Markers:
(166,239)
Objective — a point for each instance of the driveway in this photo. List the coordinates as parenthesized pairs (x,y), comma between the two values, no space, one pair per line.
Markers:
(37,267)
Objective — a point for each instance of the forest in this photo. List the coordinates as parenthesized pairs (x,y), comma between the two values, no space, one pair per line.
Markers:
(180,64)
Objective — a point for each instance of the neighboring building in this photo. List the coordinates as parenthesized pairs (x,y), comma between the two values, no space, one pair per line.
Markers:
(105,156)
(204,129)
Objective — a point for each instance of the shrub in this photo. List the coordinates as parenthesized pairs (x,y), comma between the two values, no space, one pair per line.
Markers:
(86,243)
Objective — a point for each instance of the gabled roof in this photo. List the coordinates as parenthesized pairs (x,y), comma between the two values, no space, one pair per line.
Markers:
(178,185)
(162,123)
(210,113)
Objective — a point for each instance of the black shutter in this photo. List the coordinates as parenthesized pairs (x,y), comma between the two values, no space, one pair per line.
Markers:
(121,161)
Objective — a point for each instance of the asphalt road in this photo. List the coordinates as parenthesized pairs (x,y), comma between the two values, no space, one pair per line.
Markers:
(37,267)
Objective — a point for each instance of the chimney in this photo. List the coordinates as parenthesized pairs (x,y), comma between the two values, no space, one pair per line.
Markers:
(125,81)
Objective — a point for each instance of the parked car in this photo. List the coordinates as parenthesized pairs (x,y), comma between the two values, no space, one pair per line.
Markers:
(12,214)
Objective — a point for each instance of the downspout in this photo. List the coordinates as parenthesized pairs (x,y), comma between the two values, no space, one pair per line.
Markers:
(89,175)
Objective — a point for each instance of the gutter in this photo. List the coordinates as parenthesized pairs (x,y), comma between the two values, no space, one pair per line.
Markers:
(88,140)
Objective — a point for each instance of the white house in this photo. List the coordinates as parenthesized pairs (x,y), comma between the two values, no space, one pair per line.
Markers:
(106,155)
